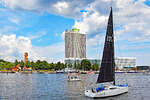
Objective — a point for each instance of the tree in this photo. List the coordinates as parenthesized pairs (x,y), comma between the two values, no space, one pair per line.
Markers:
(75,65)
(21,64)
(8,65)
(16,62)
(70,65)
(95,67)
(85,64)
(28,64)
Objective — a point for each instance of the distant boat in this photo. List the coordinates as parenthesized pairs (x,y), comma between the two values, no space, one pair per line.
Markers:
(69,70)
(59,72)
(83,72)
(91,72)
(27,69)
(107,69)
(16,69)
(74,76)
(146,73)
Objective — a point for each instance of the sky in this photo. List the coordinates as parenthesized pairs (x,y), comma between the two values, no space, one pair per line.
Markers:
(38,26)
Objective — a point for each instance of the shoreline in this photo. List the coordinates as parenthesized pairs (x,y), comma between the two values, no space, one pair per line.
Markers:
(33,71)
(55,72)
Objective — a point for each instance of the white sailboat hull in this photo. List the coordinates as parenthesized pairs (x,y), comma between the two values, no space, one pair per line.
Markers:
(109,91)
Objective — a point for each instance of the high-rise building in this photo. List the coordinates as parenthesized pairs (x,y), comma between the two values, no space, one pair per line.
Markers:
(75,44)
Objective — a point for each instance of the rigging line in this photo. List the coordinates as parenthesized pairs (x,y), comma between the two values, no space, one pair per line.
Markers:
(117,51)
(117,37)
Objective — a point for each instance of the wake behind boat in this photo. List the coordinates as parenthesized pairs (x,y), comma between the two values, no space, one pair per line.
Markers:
(107,69)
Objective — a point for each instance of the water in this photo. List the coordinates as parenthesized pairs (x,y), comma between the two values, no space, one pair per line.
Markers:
(56,87)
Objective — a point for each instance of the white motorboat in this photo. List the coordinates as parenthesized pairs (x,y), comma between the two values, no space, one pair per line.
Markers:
(73,77)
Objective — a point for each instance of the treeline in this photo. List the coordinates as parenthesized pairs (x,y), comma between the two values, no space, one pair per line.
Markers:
(44,65)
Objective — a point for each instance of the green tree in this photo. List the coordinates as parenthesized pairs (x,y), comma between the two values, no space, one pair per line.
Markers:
(95,67)
(28,64)
(75,65)
(59,66)
(8,65)
(16,62)
(70,65)
(32,65)
(21,64)
(85,64)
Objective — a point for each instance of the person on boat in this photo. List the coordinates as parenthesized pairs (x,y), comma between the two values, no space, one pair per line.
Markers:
(100,88)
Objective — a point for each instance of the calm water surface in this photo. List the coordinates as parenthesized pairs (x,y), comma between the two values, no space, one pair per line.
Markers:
(20,86)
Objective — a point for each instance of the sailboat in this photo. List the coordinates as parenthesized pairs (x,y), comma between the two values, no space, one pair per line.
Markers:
(107,69)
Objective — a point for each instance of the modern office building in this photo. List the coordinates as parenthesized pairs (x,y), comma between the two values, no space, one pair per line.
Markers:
(120,62)
(125,62)
(75,44)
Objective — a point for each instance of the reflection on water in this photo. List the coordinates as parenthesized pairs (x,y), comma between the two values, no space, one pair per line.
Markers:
(56,87)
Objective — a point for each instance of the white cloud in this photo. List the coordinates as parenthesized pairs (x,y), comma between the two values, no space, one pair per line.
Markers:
(131,18)
(13,47)
(61,6)
(14,20)
(38,35)
(95,20)
(7,29)
(19,4)
(67,8)
(51,53)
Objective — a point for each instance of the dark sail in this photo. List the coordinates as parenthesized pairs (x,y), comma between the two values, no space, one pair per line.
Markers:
(106,73)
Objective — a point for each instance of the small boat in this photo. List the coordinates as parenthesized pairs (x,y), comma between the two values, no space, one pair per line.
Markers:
(59,72)
(147,73)
(107,69)
(91,72)
(74,77)
(83,72)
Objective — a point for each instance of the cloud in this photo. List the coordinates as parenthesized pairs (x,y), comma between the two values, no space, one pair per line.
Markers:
(60,6)
(13,48)
(38,35)
(7,29)
(14,20)
(51,53)
(130,24)
(131,19)
(94,20)
(67,8)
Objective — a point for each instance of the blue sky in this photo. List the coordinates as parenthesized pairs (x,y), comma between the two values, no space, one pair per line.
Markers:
(38,27)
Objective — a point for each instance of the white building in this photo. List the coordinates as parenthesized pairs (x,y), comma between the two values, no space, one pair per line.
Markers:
(120,62)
